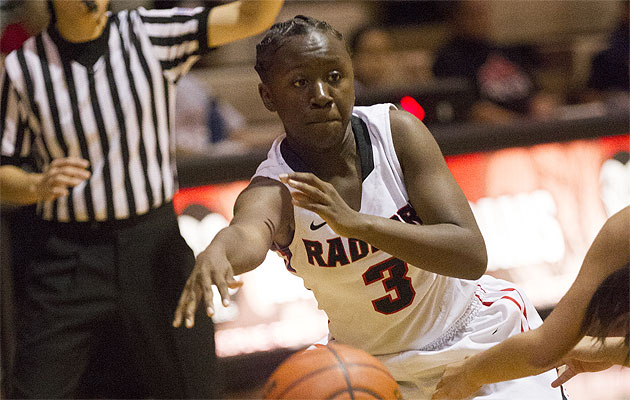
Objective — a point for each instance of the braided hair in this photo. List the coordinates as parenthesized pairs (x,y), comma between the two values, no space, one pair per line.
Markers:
(280,33)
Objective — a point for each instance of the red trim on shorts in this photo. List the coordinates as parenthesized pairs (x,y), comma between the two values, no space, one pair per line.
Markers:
(523,308)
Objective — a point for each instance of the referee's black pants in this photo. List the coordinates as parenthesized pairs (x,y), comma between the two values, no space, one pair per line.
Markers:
(95,310)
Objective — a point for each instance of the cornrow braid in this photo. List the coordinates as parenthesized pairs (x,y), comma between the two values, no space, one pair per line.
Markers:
(280,33)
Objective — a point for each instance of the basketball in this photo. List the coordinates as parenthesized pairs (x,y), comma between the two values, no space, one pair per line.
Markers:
(335,371)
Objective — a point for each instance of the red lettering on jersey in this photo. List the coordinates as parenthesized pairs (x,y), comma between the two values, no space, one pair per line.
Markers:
(314,252)
(336,252)
(358,249)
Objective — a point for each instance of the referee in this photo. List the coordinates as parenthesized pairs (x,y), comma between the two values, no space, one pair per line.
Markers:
(91,100)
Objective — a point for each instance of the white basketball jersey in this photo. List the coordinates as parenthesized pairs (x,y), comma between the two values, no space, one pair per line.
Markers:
(374,301)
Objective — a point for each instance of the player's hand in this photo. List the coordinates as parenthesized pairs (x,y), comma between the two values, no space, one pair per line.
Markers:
(588,355)
(322,198)
(576,366)
(455,383)
(60,175)
(210,268)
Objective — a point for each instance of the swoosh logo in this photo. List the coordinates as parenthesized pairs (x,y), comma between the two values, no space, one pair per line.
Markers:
(316,227)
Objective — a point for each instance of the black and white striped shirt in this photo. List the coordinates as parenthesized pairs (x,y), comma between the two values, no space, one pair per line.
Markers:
(117,112)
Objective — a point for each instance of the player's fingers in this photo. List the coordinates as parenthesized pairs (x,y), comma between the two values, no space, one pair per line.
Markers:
(222,285)
(307,183)
(308,197)
(307,205)
(306,177)
(177,318)
(563,378)
(191,307)
(208,296)
(232,282)
(305,189)
(181,306)
(235,284)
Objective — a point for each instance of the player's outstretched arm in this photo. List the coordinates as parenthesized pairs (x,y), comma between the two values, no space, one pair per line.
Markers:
(241,19)
(543,348)
(448,241)
(262,216)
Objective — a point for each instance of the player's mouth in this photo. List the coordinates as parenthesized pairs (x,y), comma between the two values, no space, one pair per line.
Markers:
(325,121)
(322,118)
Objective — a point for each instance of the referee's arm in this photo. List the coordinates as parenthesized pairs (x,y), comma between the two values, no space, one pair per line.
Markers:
(240,19)
(18,186)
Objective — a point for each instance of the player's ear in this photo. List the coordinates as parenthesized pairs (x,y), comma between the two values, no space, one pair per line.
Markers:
(266,97)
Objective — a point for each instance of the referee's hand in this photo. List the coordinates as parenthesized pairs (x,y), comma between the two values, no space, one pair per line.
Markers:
(60,175)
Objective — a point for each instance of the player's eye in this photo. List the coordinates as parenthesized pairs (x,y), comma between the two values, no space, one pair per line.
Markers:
(299,83)
(334,76)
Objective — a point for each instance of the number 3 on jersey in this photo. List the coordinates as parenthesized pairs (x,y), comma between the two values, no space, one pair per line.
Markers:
(397,281)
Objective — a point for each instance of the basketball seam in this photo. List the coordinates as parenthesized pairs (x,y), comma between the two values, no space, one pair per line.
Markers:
(344,370)
(317,371)
(363,390)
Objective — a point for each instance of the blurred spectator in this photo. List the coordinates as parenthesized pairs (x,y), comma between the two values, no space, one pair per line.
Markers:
(379,63)
(13,35)
(503,77)
(372,49)
(13,28)
(610,73)
(20,20)
(204,123)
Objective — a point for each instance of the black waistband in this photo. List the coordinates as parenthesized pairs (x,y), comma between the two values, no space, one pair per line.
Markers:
(96,227)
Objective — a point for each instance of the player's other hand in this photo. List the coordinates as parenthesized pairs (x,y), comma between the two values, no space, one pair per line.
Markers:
(210,269)
(320,197)
(60,175)
(455,383)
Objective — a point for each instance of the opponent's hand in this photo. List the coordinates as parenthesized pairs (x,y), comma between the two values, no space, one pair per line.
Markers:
(209,269)
(455,383)
(61,174)
(322,198)
(589,355)
(576,366)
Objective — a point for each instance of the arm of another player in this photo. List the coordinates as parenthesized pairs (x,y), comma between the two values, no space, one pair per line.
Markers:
(241,19)
(448,241)
(263,214)
(543,348)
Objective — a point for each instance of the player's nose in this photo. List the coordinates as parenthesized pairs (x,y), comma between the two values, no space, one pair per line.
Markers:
(320,96)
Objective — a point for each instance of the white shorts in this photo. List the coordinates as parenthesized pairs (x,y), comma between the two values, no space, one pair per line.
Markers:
(500,310)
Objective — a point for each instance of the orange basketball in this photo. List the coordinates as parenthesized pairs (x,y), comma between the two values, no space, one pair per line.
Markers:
(335,371)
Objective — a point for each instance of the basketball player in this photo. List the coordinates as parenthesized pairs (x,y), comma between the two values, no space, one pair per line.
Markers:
(360,203)
(596,304)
